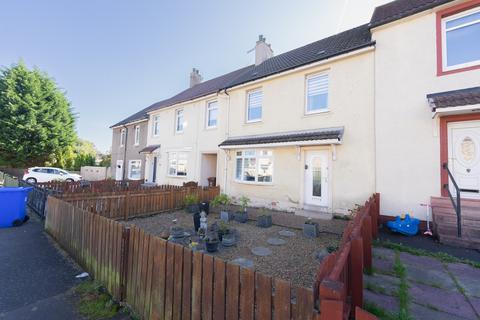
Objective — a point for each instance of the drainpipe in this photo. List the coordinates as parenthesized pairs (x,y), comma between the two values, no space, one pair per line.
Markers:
(124,151)
(227,154)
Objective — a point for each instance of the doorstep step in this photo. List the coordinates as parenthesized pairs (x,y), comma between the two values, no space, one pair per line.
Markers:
(323,215)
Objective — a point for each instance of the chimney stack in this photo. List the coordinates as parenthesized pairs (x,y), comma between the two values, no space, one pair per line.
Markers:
(263,51)
(195,77)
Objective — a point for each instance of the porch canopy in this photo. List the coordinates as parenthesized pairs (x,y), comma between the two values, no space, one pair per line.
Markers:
(150,149)
(456,100)
(296,138)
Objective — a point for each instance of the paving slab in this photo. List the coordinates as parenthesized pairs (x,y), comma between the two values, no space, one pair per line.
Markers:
(419,312)
(261,251)
(388,303)
(431,276)
(385,283)
(276,241)
(475,302)
(286,233)
(467,276)
(383,265)
(440,299)
(383,253)
(246,263)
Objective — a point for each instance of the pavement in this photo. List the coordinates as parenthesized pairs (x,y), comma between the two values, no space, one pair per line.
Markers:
(35,276)
(437,290)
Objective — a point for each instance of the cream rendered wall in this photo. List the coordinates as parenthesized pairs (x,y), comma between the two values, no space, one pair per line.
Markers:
(195,139)
(351,106)
(407,139)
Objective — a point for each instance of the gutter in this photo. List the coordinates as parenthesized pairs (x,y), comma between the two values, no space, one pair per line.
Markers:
(124,151)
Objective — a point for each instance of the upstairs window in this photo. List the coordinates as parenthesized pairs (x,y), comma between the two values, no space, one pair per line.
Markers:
(212,114)
(317,93)
(137,135)
(254,105)
(123,134)
(461,40)
(156,126)
(179,121)
(255,166)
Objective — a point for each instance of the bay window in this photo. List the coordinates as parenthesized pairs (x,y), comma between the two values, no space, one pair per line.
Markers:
(255,166)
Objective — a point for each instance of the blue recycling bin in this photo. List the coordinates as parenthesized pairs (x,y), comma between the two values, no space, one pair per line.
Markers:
(12,206)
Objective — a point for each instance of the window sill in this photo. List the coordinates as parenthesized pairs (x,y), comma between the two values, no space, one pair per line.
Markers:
(253,122)
(254,183)
(312,113)
(210,128)
(176,177)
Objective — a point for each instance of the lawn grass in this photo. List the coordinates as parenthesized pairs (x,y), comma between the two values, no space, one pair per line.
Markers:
(402,292)
(95,303)
(444,257)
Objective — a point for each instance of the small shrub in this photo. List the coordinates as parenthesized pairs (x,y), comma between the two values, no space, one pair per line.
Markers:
(191,199)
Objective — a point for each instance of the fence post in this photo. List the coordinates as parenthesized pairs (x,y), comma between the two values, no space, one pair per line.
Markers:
(124,262)
(125,206)
(373,213)
(367,242)
(356,272)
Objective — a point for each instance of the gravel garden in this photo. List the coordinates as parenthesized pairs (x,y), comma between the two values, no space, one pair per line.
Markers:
(275,243)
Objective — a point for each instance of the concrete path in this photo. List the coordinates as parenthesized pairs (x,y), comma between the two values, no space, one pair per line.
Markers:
(437,290)
(35,276)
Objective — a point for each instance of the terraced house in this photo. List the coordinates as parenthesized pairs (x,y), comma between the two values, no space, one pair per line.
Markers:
(390,106)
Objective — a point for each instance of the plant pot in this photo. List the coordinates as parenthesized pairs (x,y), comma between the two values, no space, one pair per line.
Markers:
(241,217)
(264,221)
(196,221)
(229,240)
(226,216)
(193,208)
(310,230)
(211,246)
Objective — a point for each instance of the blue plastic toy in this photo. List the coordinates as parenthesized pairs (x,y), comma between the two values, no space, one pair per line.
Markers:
(407,226)
(12,206)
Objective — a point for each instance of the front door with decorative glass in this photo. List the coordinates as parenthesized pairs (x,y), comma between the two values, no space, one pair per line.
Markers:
(464,157)
(316,178)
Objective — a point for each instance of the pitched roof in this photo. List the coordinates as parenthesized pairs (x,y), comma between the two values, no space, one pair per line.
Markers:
(140,115)
(335,45)
(400,9)
(332,46)
(455,98)
(202,89)
(296,136)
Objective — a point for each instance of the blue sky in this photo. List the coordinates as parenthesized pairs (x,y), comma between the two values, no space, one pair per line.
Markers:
(115,57)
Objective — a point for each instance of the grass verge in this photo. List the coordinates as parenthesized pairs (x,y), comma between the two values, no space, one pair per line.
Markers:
(94,302)
(444,257)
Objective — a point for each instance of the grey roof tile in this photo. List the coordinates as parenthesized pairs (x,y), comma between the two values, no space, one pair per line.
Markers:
(400,9)
(455,98)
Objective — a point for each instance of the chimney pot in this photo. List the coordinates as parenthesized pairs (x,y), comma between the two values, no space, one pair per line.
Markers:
(263,50)
(195,77)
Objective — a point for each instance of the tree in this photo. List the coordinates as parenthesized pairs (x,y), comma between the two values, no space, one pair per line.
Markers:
(106,160)
(36,119)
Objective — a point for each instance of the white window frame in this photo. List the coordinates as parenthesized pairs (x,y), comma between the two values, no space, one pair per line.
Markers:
(207,114)
(137,135)
(177,113)
(123,135)
(130,162)
(257,156)
(445,67)
(156,126)
(247,115)
(307,78)
(169,158)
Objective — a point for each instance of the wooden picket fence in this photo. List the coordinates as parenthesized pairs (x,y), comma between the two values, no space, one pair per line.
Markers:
(339,280)
(129,204)
(163,280)
(101,186)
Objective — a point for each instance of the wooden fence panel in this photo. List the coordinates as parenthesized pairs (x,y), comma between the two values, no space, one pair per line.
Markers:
(263,297)
(219,289)
(178,280)
(233,291)
(247,294)
(282,300)
(207,288)
(197,286)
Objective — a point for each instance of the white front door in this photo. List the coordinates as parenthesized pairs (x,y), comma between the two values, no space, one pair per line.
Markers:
(316,178)
(119,170)
(464,157)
